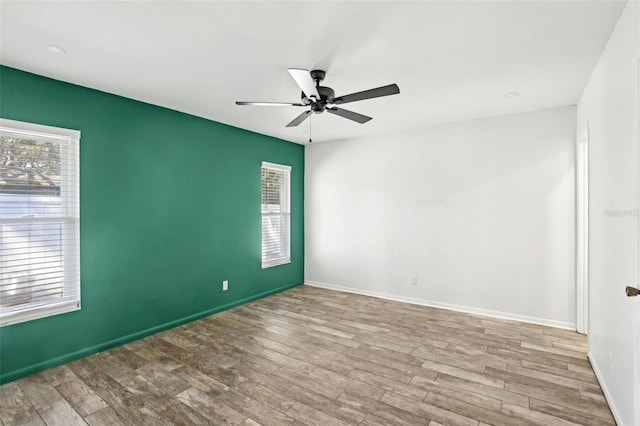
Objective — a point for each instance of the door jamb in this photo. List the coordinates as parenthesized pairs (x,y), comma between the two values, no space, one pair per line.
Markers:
(582,232)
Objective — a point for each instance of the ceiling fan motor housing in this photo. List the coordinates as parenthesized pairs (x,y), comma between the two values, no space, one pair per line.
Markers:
(326,96)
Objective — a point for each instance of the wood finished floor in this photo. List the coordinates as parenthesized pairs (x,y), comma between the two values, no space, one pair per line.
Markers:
(310,356)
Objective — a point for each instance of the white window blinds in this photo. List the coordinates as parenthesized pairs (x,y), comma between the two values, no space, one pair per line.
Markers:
(39,221)
(276,214)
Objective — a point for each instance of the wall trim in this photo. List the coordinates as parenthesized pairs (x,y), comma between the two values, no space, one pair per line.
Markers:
(605,389)
(66,358)
(448,306)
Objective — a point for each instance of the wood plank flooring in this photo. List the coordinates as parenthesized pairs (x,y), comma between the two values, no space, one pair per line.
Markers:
(316,357)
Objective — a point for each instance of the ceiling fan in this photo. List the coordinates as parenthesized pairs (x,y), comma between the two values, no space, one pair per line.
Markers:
(320,98)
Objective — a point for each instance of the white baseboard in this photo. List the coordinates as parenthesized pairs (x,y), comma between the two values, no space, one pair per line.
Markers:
(605,389)
(458,308)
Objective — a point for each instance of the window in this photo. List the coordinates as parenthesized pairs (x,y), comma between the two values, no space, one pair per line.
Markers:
(39,221)
(275,215)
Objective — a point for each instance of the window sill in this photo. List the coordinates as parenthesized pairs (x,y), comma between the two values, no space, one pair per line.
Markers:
(38,312)
(275,262)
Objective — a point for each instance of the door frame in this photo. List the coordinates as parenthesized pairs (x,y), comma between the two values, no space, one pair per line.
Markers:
(637,284)
(582,232)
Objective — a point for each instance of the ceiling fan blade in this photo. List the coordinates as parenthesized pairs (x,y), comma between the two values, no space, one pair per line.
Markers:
(304,80)
(349,114)
(268,104)
(391,89)
(299,119)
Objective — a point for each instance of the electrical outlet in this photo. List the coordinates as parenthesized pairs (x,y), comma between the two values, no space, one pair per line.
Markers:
(225,285)
(414,280)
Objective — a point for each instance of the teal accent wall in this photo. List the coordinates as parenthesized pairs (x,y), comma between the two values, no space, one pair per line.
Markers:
(169,207)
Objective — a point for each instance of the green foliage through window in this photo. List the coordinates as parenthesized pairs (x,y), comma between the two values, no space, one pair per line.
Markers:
(28,164)
(272,181)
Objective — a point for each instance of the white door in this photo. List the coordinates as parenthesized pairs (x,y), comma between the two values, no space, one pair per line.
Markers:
(614,318)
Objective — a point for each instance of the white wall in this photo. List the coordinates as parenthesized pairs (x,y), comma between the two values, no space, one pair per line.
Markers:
(482,212)
(610,107)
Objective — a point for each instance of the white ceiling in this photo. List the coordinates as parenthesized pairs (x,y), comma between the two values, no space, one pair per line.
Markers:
(452,60)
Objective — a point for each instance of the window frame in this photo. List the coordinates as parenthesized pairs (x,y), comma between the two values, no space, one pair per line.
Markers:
(69,141)
(284,214)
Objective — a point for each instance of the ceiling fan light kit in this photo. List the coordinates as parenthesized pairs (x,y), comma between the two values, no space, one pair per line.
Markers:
(319,99)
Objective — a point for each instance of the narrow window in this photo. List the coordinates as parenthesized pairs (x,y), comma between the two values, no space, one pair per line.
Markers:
(276,214)
(39,221)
